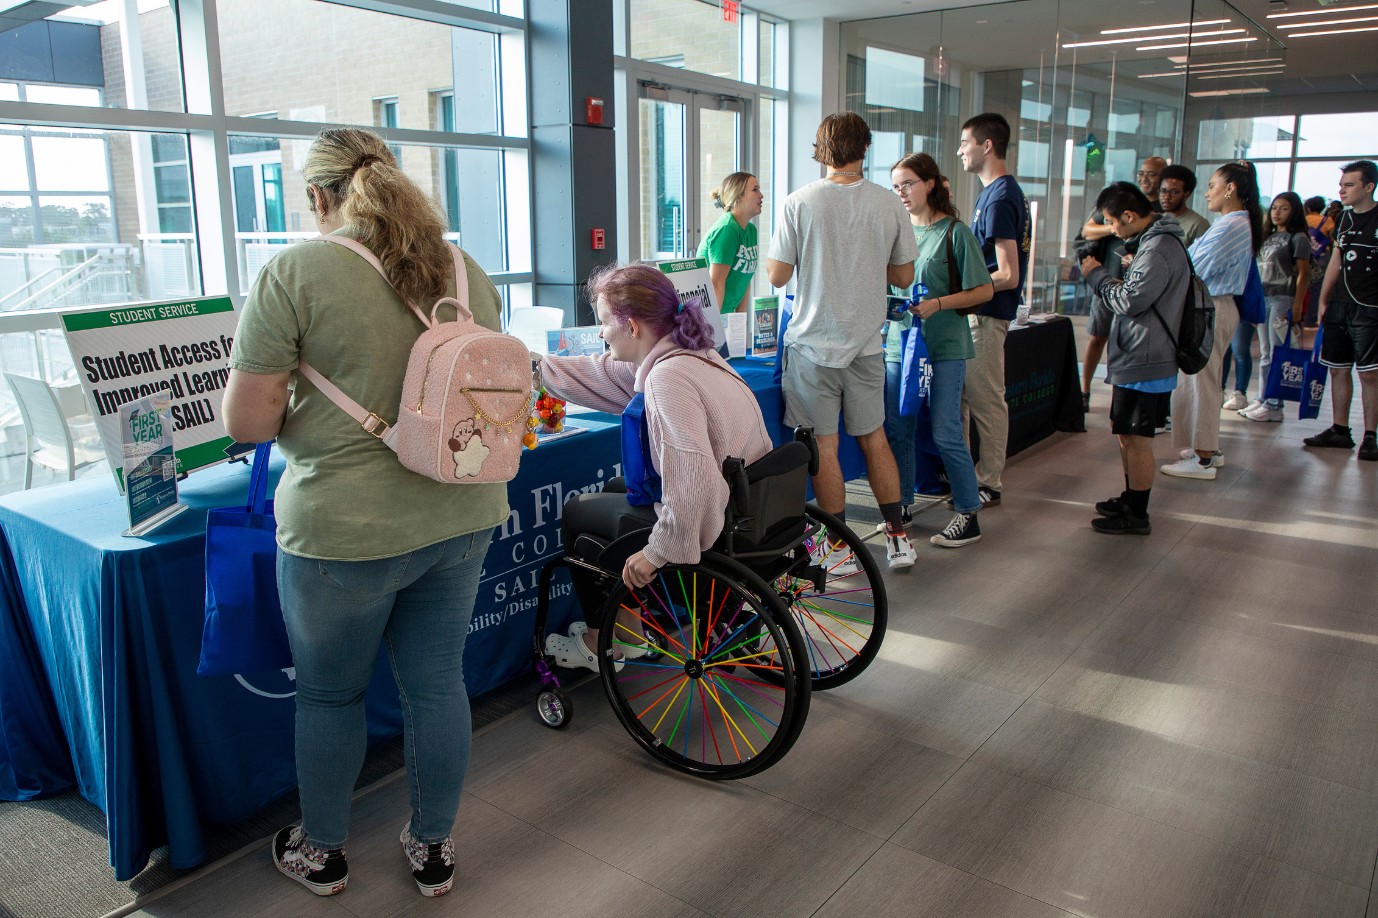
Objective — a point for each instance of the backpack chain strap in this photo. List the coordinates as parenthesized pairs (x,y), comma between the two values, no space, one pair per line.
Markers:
(488,419)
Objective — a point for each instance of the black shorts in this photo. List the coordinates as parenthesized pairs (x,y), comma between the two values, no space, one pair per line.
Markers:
(1137,413)
(1349,336)
(1098,324)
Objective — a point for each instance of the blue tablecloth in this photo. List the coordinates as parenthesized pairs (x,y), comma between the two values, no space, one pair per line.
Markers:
(100,636)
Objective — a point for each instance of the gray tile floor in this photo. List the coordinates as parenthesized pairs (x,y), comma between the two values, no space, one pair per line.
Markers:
(1060,723)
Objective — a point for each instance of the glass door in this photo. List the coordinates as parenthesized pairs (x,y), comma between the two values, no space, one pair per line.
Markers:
(689,142)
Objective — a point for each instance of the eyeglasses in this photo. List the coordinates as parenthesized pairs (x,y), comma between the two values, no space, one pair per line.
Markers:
(903,187)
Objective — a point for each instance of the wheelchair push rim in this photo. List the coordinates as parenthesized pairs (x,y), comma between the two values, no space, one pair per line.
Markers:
(701,705)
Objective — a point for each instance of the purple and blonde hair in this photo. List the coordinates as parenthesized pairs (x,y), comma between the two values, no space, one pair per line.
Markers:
(643,292)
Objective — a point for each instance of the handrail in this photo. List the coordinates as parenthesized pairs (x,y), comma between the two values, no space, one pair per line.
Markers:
(59,282)
(24,286)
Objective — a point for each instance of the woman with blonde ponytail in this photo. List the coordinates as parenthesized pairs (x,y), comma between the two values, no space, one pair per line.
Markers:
(730,245)
(369,552)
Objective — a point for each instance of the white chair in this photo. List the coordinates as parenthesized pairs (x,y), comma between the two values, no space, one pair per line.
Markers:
(55,439)
(530,324)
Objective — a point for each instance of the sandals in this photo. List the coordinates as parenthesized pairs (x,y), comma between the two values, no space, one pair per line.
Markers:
(570,651)
(628,650)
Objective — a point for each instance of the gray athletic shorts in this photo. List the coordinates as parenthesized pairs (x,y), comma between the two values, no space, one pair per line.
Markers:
(815,396)
(1101,316)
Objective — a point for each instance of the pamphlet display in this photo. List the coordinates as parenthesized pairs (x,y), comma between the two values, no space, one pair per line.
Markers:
(765,317)
(179,349)
(691,279)
(736,333)
(149,466)
(581,341)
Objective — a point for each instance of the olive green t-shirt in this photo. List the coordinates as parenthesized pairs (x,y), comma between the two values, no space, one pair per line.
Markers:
(345,496)
(729,243)
(947,334)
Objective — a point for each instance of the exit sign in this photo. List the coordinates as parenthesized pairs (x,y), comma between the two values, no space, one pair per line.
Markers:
(731,9)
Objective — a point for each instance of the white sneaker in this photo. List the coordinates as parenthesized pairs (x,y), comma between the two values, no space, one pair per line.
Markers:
(1217,457)
(1251,406)
(836,559)
(1190,467)
(899,552)
(1262,412)
(1236,401)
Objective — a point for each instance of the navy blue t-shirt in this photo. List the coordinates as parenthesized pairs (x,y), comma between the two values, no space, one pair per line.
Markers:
(1002,212)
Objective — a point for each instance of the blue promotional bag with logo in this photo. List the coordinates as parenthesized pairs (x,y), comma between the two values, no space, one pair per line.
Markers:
(1313,382)
(1287,372)
(917,373)
(244,632)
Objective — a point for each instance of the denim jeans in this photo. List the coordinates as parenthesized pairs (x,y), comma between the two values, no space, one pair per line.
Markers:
(945,411)
(1241,349)
(1279,318)
(338,613)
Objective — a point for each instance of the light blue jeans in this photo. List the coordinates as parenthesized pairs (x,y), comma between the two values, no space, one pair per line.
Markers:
(945,411)
(1241,349)
(337,614)
(1279,317)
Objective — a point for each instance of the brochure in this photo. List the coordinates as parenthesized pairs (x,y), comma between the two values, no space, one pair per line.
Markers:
(765,315)
(736,333)
(580,341)
(150,465)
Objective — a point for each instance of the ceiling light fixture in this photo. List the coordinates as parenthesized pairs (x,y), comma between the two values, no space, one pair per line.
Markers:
(1242,91)
(1328,22)
(1223,65)
(1332,32)
(1130,41)
(1174,25)
(1276,71)
(1340,11)
(1195,44)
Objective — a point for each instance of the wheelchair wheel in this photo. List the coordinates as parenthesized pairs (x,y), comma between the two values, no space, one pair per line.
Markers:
(554,708)
(702,704)
(842,618)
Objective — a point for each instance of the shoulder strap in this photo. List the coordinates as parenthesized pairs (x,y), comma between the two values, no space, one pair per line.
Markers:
(1190,293)
(728,370)
(954,276)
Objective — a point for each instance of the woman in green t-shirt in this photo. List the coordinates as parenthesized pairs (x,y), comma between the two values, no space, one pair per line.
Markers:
(924,193)
(730,245)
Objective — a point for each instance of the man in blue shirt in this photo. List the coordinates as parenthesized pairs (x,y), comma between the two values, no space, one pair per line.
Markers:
(1002,226)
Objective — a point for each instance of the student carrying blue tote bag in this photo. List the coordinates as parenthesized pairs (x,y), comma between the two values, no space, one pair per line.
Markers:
(1287,372)
(244,632)
(1313,382)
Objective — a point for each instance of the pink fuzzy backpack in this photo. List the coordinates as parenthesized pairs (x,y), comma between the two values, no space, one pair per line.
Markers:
(465,399)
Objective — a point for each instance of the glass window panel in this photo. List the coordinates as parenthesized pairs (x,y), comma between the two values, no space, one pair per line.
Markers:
(16,231)
(1273,179)
(894,80)
(9,92)
(71,218)
(1337,135)
(70,163)
(91,62)
(307,40)
(1265,137)
(766,53)
(172,185)
(14,163)
(690,31)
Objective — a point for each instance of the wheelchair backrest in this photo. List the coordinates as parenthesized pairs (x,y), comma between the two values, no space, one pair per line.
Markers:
(769,509)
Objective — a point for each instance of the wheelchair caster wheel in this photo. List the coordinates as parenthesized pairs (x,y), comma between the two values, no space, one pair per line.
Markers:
(554,708)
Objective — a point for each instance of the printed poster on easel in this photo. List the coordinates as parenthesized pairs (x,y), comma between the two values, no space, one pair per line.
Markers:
(690,277)
(180,349)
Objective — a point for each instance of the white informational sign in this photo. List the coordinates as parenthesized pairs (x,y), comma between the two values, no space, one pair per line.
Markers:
(690,277)
(180,349)
(150,468)
(736,333)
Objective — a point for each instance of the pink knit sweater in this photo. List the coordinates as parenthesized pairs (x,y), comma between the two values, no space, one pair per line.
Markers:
(697,416)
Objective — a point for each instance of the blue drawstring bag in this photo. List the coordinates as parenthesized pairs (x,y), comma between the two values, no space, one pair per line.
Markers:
(1313,382)
(244,632)
(786,313)
(917,373)
(1287,372)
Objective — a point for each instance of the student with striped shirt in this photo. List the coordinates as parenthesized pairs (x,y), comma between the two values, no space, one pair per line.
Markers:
(1221,258)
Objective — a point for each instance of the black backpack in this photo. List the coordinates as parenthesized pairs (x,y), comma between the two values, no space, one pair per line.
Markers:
(1196,333)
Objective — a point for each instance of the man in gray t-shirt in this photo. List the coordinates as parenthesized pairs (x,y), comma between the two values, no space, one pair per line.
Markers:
(846,240)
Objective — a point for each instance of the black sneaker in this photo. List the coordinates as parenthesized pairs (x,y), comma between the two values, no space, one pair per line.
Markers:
(1368,450)
(1086,401)
(1124,524)
(432,866)
(989,498)
(1112,507)
(963,530)
(321,870)
(1332,438)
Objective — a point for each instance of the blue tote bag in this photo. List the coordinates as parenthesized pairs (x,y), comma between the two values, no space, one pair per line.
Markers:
(917,372)
(1287,372)
(1313,382)
(1251,303)
(244,632)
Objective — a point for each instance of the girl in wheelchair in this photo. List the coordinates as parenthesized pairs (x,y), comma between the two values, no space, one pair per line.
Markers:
(684,411)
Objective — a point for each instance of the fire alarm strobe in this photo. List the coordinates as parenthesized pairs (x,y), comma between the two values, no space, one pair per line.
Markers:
(593,110)
(600,239)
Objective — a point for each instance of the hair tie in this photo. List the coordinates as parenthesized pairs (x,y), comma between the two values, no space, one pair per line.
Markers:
(367,159)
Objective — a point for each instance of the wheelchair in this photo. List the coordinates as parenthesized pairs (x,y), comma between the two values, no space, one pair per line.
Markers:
(717,680)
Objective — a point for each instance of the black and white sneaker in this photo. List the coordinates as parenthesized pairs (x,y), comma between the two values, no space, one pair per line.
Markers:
(963,530)
(432,866)
(989,498)
(324,871)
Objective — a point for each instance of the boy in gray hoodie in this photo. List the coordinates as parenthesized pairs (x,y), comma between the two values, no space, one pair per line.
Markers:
(1142,366)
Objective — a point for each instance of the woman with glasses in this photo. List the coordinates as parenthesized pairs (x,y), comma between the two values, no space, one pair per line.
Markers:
(950,275)
(730,246)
